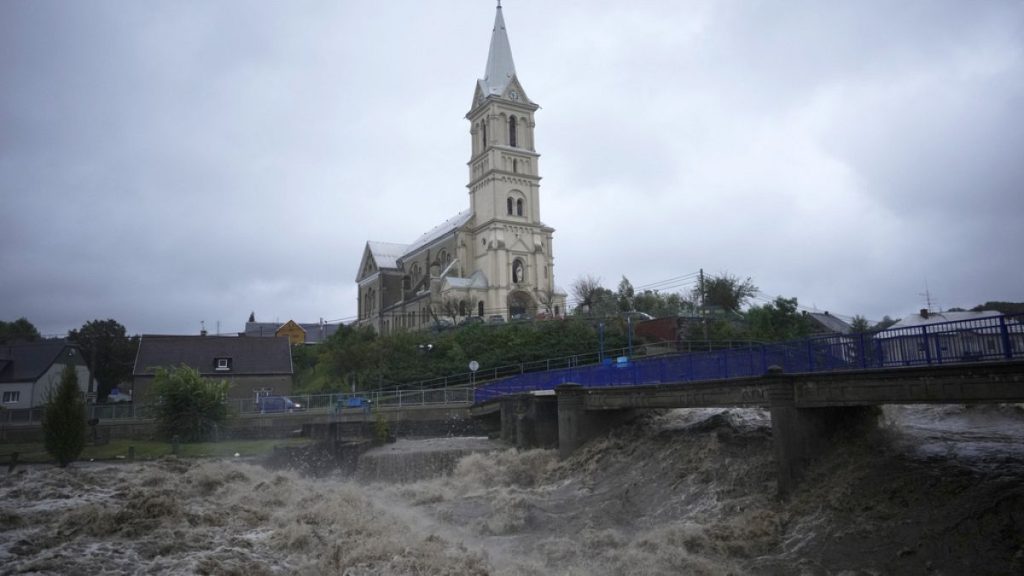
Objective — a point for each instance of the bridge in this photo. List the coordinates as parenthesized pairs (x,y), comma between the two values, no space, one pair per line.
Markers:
(814,388)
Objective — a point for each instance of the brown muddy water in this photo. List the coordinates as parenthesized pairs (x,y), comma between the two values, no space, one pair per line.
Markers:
(935,491)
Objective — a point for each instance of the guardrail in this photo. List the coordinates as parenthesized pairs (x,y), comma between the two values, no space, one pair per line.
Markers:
(955,342)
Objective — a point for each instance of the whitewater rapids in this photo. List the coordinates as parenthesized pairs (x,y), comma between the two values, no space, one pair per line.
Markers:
(935,491)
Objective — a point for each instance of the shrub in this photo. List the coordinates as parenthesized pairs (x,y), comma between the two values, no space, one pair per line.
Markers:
(64,421)
(187,405)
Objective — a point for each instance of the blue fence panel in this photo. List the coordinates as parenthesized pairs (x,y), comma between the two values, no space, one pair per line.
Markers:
(992,338)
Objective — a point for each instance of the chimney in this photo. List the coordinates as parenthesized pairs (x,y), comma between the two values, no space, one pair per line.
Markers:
(924,313)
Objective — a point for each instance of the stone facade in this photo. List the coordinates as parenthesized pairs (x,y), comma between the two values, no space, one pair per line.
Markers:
(495,259)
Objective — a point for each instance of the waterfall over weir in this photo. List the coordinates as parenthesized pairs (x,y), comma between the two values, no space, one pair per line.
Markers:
(411,460)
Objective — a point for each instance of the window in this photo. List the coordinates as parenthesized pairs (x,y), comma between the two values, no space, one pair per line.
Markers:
(462,307)
(12,397)
(509,205)
(512,131)
(519,207)
(223,364)
(480,309)
(483,140)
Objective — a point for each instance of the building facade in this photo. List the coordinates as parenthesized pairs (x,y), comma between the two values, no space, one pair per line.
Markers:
(253,367)
(30,371)
(494,259)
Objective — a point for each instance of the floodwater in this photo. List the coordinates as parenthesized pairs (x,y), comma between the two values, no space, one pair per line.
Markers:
(935,491)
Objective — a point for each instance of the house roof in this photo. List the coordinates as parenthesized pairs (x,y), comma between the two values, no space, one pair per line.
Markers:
(315,332)
(940,317)
(249,356)
(28,362)
(830,322)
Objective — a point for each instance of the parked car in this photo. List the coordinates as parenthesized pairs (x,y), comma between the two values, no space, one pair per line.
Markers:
(496,319)
(116,395)
(471,320)
(271,404)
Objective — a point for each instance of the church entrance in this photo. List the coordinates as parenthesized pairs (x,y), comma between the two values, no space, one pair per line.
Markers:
(520,305)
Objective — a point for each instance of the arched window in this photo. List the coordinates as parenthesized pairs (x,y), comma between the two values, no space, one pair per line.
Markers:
(512,131)
(480,309)
(556,310)
(519,207)
(509,205)
(515,165)
(462,307)
(483,139)
(518,271)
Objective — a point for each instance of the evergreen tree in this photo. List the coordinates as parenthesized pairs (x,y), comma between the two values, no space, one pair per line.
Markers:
(64,421)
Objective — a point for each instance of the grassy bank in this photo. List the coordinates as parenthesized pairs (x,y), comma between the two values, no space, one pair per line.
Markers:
(149,450)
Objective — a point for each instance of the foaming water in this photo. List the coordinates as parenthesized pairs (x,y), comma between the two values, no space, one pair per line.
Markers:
(935,491)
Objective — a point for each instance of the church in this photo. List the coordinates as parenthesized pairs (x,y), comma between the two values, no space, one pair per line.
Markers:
(493,261)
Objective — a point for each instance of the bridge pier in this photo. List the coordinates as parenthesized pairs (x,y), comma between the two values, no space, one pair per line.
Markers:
(530,420)
(576,424)
(800,435)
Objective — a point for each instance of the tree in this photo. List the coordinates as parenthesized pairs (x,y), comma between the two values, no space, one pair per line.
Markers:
(859,324)
(726,291)
(109,352)
(20,330)
(778,320)
(885,323)
(625,295)
(584,290)
(351,356)
(187,405)
(64,421)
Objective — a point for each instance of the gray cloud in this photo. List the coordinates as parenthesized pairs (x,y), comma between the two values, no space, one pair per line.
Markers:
(163,163)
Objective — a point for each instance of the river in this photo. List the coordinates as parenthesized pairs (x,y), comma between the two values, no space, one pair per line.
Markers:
(937,490)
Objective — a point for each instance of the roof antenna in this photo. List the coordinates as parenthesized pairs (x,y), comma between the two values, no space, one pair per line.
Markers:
(927,295)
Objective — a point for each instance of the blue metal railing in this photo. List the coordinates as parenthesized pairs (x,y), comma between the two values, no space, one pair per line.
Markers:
(955,342)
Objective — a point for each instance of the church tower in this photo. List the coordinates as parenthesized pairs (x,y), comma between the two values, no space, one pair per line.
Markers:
(513,246)
(493,261)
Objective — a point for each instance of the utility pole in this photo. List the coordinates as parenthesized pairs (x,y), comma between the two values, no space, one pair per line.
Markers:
(703,311)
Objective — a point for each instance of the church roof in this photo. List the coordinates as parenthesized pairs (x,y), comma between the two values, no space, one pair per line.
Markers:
(475,280)
(386,254)
(500,67)
(439,231)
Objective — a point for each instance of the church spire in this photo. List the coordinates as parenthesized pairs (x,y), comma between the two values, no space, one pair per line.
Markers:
(500,67)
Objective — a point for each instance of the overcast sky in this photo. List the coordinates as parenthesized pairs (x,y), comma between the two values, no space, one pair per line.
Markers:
(164,163)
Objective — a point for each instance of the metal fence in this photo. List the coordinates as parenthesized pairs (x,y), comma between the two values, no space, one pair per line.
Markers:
(986,339)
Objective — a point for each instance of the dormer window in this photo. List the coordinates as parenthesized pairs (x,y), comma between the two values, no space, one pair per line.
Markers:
(223,364)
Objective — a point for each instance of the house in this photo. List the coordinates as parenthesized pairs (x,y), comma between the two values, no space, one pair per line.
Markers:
(825,323)
(297,333)
(253,366)
(496,257)
(29,371)
(932,337)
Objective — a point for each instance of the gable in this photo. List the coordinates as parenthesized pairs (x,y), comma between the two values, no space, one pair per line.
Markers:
(28,362)
(515,92)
